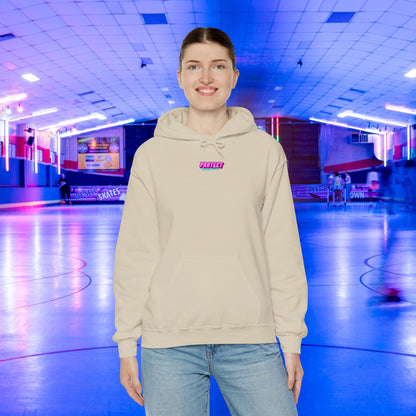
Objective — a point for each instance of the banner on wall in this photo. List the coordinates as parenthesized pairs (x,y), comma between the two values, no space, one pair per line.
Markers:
(99,153)
(98,193)
(319,193)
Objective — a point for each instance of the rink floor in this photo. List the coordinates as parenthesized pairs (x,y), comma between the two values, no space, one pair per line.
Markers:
(56,312)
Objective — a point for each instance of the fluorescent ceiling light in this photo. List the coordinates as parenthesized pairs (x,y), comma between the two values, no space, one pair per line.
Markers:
(45,111)
(36,114)
(401,109)
(102,127)
(345,113)
(30,77)
(64,123)
(349,113)
(13,98)
(411,74)
(335,123)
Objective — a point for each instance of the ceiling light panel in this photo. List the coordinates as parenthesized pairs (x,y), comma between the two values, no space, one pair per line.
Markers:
(30,77)
(375,119)
(345,125)
(411,73)
(63,123)
(401,109)
(36,114)
(96,128)
(12,98)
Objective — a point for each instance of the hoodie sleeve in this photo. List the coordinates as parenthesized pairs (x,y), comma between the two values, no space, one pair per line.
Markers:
(136,256)
(286,270)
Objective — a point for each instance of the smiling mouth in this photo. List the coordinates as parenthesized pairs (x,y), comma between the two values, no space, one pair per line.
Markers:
(206,91)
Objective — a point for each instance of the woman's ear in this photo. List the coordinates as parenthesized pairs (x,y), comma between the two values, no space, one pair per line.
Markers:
(235,77)
(179,75)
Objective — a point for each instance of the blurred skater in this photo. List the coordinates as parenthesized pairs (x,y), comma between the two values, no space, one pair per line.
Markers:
(347,187)
(330,188)
(372,182)
(387,188)
(65,190)
(338,186)
(408,183)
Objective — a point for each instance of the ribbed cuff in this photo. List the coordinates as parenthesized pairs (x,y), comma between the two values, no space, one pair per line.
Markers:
(127,349)
(290,343)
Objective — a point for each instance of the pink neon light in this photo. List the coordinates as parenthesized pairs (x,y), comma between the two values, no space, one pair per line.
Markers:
(6,146)
(272,125)
(277,128)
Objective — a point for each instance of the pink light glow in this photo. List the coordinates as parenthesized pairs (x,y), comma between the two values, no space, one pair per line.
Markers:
(6,145)
(277,129)
(408,142)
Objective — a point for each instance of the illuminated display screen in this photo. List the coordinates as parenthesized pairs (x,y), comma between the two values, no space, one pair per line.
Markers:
(99,153)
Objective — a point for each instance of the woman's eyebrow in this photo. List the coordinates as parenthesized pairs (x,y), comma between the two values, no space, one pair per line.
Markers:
(189,61)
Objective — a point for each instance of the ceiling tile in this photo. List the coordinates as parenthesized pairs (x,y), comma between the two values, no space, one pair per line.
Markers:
(154,6)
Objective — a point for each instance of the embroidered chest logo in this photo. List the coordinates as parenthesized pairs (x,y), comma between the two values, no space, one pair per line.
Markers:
(211,165)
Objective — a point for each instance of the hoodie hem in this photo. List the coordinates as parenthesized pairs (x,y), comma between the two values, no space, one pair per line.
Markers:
(222,335)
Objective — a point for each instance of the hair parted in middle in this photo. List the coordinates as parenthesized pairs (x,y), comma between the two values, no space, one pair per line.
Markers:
(204,35)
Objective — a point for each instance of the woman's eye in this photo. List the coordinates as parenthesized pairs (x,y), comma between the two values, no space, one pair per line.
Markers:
(193,67)
(219,66)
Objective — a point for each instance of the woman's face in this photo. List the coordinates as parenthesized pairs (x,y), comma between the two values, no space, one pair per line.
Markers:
(207,76)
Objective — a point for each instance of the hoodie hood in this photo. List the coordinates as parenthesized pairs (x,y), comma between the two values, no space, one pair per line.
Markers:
(172,125)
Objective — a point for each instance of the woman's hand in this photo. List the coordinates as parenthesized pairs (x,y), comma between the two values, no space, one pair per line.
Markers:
(129,378)
(294,373)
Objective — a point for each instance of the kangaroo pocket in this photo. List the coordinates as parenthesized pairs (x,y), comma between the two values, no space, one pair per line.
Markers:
(204,291)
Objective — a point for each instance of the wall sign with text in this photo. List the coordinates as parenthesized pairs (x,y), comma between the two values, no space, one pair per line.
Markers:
(98,193)
(98,153)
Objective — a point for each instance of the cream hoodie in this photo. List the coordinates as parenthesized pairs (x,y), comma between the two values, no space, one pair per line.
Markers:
(208,250)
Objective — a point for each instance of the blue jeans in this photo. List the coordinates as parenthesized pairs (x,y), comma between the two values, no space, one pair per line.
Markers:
(251,378)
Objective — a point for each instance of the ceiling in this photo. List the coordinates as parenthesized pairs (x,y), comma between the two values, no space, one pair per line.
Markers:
(119,58)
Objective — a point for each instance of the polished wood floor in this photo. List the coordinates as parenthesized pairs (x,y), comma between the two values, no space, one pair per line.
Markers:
(56,312)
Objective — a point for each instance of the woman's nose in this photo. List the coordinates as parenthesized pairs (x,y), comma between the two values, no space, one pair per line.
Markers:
(206,76)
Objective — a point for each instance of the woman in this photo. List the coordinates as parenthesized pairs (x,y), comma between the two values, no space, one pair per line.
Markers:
(208,266)
(338,186)
(347,181)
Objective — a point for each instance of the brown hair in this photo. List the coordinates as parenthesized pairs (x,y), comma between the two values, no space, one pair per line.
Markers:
(204,35)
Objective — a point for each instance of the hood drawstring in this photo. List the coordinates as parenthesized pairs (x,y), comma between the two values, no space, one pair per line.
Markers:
(217,143)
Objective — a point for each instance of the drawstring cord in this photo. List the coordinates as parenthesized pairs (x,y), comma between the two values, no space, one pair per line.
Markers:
(216,143)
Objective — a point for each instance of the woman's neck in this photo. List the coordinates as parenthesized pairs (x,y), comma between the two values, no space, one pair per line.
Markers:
(207,123)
